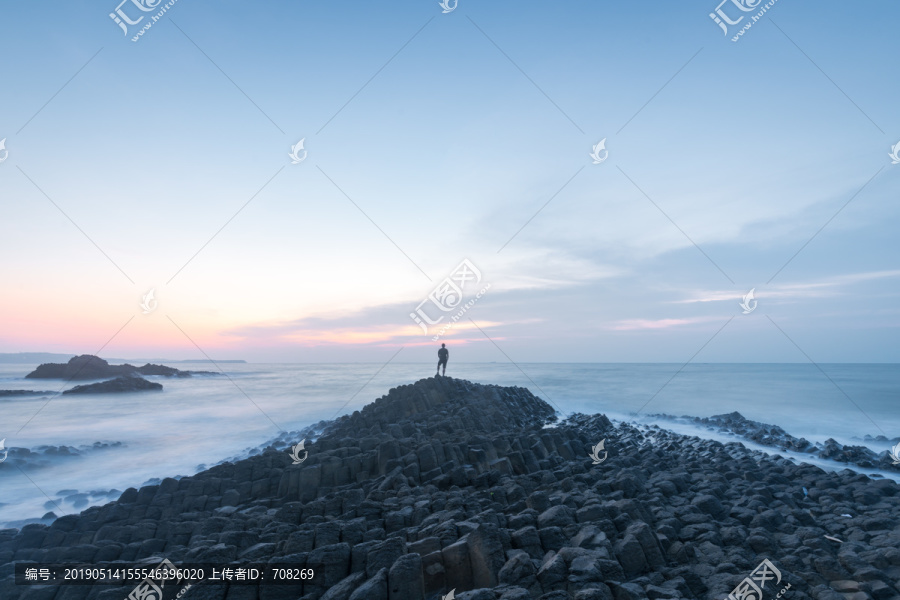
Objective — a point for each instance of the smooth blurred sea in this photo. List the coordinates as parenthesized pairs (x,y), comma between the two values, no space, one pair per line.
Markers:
(197,422)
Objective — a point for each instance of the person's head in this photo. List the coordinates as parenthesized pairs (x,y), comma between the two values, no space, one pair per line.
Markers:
(443,345)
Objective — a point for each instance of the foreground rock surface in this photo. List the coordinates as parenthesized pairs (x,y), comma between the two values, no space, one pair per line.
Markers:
(447,484)
(88,366)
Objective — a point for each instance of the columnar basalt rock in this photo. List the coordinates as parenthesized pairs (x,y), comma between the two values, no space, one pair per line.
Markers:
(447,484)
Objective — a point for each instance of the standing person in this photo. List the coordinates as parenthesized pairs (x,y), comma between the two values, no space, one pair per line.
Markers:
(443,355)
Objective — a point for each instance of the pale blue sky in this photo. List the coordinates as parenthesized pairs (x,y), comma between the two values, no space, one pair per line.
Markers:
(449,148)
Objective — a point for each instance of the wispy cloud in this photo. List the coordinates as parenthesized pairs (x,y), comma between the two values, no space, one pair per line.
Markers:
(639,324)
(812,289)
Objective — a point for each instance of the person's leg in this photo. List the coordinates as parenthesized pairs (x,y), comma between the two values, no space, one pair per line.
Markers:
(438,368)
(445,367)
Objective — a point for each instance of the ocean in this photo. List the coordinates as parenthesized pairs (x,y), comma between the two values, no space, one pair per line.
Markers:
(87,449)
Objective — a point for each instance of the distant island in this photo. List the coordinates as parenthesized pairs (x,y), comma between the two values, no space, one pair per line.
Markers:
(49,357)
(88,366)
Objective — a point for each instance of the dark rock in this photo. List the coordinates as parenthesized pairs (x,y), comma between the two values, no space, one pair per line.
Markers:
(375,588)
(710,505)
(515,593)
(330,564)
(344,588)
(555,595)
(116,386)
(599,592)
(529,540)
(518,570)
(627,591)
(485,554)
(88,366)
(405,580)
(557,516)
(552,574)
(384,554)
(457,565)
(479,594)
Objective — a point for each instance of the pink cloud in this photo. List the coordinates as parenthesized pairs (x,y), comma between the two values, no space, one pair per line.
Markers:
(633,324)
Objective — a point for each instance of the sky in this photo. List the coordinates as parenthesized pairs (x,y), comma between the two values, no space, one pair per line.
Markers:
(436,139)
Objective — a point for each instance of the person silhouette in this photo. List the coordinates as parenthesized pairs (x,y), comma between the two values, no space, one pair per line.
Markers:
(443,355)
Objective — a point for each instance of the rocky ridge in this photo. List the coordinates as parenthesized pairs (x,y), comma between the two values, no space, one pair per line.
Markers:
(446,484)
(776,437)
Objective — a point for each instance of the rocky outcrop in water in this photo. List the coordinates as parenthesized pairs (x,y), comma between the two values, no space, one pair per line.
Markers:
(88,366)
(10,393)
(116,386)
(776,437)
(449,485)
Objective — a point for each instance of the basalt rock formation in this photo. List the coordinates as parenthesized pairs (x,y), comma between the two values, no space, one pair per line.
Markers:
(450,485)
(776,437)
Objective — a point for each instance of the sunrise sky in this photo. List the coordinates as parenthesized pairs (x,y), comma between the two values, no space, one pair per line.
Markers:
(432,138)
